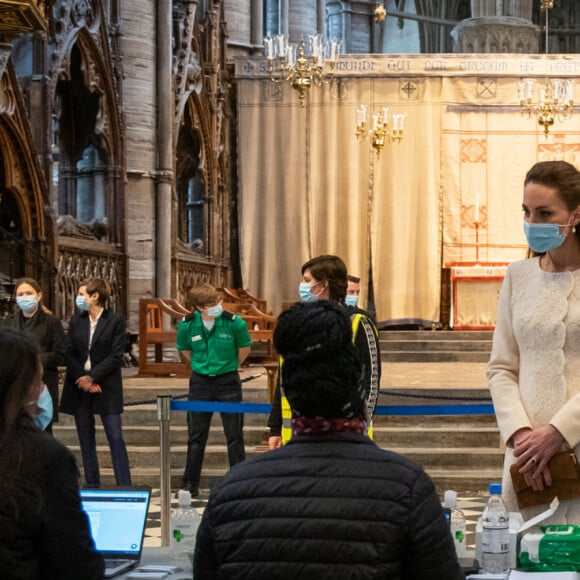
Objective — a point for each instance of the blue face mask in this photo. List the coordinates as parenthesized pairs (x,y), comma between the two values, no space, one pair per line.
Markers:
(26,303)
(44,403)
(351,300)
(544,237)
(305,294)
(215,311)
(81,303)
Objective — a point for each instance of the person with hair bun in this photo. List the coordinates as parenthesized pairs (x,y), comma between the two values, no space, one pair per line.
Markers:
(329,503)
(94,384)
(44,533)
(34,319)
(534,369)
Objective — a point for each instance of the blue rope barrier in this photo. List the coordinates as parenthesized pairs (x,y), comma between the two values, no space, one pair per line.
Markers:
(392,410)
(400,410)
(210,407)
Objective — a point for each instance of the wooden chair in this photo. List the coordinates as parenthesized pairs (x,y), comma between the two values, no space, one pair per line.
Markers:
(261,327)
(241,296)
(152,315)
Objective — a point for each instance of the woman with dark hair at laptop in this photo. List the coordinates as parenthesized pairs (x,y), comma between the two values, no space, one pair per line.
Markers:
(44,533)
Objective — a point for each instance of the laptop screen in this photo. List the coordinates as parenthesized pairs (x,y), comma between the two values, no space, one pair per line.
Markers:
(117,519)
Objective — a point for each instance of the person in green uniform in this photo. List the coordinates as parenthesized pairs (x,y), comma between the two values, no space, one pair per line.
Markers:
(215,343)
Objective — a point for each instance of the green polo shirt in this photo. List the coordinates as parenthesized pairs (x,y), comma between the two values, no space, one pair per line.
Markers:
(215,351)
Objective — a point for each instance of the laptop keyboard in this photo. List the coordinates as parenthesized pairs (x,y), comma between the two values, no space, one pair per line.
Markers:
(115,563)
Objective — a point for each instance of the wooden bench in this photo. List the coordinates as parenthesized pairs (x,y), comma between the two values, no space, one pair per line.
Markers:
(241,296)
(152,315)
(261,327)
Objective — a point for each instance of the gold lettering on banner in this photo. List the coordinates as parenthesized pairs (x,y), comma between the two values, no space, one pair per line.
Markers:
(435,65)
(562,67)
(483,66)
(355,66)
(527,66)
(398,65)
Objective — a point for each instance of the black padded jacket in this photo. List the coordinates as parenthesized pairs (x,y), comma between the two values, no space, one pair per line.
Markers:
(332,506)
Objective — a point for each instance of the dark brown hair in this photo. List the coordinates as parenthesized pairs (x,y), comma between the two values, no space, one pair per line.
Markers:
(201,296)
(98,285)
(19,360)
(563,177)
(331,269)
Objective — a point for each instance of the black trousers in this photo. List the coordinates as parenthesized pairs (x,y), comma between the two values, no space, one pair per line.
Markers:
(225,388)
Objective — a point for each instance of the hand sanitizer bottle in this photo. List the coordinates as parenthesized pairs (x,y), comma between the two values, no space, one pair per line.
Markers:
(184,523)
(457,522)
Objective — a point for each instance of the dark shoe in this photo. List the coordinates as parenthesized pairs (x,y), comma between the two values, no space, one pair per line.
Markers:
(191,488)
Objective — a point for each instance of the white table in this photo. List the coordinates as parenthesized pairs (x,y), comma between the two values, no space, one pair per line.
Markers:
(161,557)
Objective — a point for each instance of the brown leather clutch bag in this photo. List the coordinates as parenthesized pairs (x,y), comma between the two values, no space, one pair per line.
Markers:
(565,481)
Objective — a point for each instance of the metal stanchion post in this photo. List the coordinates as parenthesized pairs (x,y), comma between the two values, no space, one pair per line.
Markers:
(164,418)
(272,371)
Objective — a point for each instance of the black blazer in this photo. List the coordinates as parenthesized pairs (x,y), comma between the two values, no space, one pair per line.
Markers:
(47,330)
(107,350)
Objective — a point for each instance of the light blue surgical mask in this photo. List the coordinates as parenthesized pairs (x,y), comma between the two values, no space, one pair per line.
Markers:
(544,237)
(215,311)
(26,303)
(81,303)
(351,300)
(305,294)
(44,417)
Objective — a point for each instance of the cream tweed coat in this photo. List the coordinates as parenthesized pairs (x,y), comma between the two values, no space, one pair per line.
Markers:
(534,369)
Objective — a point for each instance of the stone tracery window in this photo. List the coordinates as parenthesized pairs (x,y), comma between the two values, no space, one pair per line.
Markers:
(82,164)
(191,189)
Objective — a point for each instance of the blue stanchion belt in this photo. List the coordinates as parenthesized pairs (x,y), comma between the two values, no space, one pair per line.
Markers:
(265,408)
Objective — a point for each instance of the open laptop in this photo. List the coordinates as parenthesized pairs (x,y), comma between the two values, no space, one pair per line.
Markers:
(117,518)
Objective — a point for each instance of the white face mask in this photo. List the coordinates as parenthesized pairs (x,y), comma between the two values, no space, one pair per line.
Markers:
(351,300)
(45,409)
(215,311)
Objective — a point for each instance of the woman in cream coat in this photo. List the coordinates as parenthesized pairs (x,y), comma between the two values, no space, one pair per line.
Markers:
(534,370)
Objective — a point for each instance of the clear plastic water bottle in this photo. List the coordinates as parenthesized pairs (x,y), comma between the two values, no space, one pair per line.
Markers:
(458,523)
(495,536)
(184,523)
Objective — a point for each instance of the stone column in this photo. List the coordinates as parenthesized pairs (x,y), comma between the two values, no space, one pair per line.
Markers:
(497,26)
(164,169)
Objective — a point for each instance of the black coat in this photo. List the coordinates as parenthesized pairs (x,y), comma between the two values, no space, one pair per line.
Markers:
(323,507)
(107,351)
(47,330)
(47,537)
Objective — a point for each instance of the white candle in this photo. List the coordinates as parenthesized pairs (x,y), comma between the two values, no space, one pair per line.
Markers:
(363,113)
(375,122)
(570,91)
(530,90)
(315,47)
(395,122)
(332,50)
(281,50)
(385,115)
(477,207)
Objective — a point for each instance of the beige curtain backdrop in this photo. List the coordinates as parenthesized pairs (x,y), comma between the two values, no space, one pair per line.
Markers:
(307,187)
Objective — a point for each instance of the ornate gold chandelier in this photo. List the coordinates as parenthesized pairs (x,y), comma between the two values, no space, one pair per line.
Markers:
(301,65)
(379,134)
(555,99)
